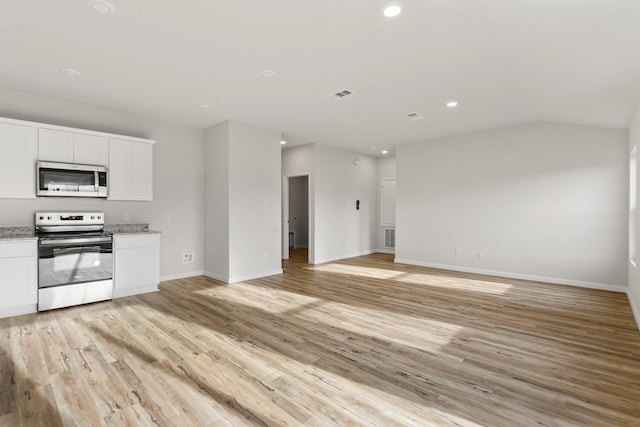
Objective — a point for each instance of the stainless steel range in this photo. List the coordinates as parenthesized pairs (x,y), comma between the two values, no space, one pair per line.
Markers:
(75,259)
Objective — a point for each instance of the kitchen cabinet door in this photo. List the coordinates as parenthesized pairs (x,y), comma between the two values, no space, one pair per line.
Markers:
(72,147)
(90,149)
(141,171)
(119,169)
(19,284)
(137,264)
(18,161)
(55,145)
(130,170)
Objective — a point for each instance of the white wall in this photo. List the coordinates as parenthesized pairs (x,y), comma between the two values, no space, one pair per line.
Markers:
(243,202)
(634,236)
(385,168)
(299,210)
(336,229)
(254,202)
(178,176)
(341,231)
(216,226)
(543,201)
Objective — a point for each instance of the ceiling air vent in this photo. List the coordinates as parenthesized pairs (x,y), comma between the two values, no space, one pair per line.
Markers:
(414,116)
(341,94)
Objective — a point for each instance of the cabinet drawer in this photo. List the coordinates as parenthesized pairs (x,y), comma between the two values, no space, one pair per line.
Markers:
(135,241)
(18,249)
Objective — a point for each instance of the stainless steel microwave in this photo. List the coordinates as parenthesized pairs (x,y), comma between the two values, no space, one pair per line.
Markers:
(71,180)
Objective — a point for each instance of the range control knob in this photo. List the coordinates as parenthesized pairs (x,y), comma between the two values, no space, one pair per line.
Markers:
(93,217)
(49,218)
(41,218)
(99,217)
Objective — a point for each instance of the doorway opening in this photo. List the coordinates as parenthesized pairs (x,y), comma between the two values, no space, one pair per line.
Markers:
(295,242)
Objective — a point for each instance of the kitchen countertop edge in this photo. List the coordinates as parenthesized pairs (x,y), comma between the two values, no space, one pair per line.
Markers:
(133,233)
(18,237)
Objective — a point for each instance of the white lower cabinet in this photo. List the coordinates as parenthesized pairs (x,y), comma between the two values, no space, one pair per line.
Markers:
(136,264)
(18,277)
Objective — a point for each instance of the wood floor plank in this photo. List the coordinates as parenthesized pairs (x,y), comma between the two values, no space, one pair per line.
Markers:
(361,341)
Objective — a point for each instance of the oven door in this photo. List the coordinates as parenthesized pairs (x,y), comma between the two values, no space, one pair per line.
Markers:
(67,261)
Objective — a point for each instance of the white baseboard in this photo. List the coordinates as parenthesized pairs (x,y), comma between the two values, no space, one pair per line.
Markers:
(119,293)
(216,276)
(345,256)
(181,275)
(254,276)
(18,310)
(634,308)
(386,251)
(226,279)
(545,279)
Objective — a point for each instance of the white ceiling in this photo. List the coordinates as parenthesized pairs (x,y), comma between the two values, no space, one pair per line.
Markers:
(506,62)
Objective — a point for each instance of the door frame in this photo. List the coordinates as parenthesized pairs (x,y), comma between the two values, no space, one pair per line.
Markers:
(285,214)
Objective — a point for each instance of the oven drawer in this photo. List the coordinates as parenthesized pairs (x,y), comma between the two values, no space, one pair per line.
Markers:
(76,294)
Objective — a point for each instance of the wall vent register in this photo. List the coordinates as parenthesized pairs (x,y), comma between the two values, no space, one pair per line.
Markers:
(390,238)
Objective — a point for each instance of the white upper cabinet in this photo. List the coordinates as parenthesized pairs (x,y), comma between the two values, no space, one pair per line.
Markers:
(128,159)
(72,147)
(90,149)
(119,169)
(18,148)
(130,170)
(141,171)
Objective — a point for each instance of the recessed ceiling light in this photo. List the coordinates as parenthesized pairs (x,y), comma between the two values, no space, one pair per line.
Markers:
(391,10)
(70,72)
(268,73)
(384,151)
(452,104)
(102,6)
(283,142)
(206,106)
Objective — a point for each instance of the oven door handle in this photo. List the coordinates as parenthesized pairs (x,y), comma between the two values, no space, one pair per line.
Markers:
(81,240)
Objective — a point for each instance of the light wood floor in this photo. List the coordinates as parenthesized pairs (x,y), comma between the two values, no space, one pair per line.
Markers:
(355,342)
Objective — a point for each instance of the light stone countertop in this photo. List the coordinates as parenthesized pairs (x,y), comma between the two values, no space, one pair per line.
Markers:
(120,229)
(28,232)
(17,233)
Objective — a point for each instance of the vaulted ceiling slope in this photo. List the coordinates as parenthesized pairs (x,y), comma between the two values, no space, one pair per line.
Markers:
(505,61)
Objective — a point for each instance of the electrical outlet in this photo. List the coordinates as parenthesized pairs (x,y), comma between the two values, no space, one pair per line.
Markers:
(125,217)
(458,251)
(480,254)
(187,258)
